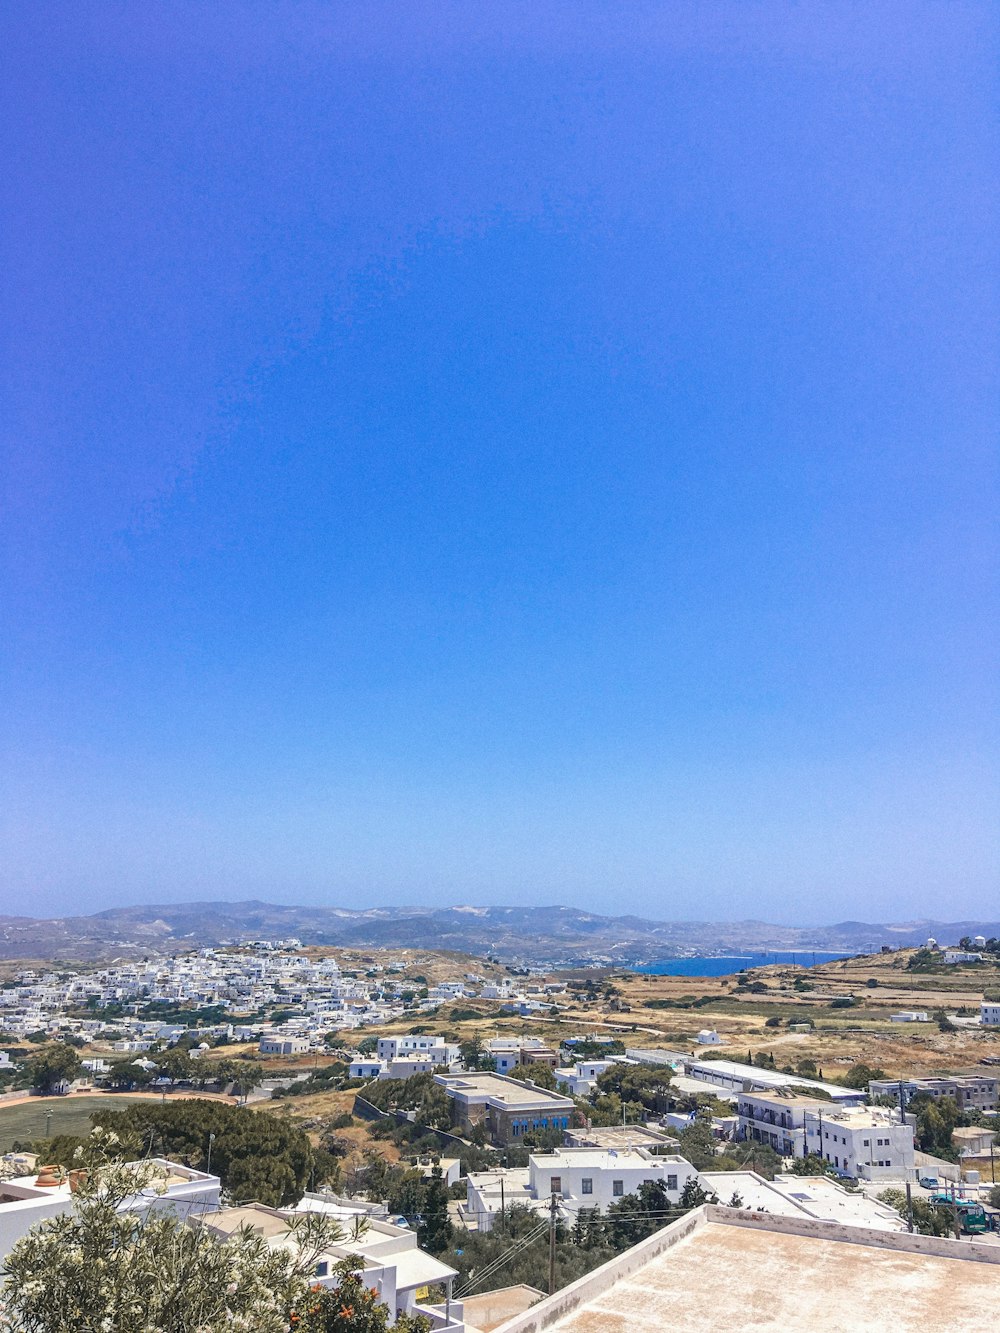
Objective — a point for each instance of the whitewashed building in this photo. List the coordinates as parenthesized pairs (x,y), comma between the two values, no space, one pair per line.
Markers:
(581,1178)
(24,1202)
(868,1143)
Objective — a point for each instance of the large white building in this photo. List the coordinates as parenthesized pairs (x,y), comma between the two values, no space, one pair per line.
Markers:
(735,1077)
(868,1143)
(989,1012)
(506,1108)
(426,1047)
(579,1177)
(722,1268)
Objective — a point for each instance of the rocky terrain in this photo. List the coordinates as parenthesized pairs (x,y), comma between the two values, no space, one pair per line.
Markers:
(557,935)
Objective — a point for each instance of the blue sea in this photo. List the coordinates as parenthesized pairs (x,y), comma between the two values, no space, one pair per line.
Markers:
(724,967)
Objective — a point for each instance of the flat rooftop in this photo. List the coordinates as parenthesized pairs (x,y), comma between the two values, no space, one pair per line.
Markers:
(808,1196)
(720,1275)
(615,1136)
(506,1091)
(604,1159)
(769,1078)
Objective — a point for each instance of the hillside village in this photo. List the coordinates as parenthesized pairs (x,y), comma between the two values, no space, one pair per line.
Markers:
(604,1105)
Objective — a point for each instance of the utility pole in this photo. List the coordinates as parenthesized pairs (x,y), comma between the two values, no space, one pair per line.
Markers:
(552,1244)
(208,1164)
(909,1207)
(501,1203)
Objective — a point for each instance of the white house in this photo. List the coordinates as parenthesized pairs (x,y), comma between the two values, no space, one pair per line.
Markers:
(579,1177)
(581,1079)
(366,1067)
(408,1065)
(508,1052)
(390,1262)
(277,1045)
(597,1178)
(989,1012)
(434,1051)
(24,1202)
(709,1037)
(961,956)
(910,1016)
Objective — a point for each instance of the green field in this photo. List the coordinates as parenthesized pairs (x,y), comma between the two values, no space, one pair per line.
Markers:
(43,1116)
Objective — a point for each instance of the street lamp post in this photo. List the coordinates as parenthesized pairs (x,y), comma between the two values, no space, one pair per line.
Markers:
(208,1164)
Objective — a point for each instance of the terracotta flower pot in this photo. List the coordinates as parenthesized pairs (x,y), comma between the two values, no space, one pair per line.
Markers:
(49,1176)
(76,1179)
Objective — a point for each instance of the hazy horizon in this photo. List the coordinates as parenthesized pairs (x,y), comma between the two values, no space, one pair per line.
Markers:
(418,907)
(457,454)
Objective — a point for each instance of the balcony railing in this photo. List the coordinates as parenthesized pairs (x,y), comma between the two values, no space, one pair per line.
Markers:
(441,1322)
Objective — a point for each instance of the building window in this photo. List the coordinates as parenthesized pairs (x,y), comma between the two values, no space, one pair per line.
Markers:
(555,1184)
(618,1188)
(322,1269)
(586,1185)
(671,1182)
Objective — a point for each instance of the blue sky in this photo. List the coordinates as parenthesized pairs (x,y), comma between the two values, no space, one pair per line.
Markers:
(501,453)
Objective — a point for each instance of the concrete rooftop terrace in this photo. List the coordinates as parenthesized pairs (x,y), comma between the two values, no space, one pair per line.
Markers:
(725,1269)
(503,1091)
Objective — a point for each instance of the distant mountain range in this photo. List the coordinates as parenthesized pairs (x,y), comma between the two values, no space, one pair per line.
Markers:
(558,935)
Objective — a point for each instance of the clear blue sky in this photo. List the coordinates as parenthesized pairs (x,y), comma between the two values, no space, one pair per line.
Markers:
(524,452)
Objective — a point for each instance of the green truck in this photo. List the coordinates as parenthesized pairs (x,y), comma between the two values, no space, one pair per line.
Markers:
(972,1217)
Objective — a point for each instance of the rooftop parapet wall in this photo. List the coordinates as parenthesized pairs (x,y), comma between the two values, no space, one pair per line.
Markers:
(554,1308)
(595,1284)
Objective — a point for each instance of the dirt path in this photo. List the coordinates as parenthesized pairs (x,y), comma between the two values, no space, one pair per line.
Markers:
(37,1099)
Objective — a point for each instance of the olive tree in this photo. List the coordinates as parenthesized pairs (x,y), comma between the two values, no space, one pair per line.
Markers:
(115,1262)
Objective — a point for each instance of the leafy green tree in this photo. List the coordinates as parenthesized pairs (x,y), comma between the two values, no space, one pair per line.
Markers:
(636,1083)
(256,1155)
(245,1075)
(813,1165)
(54,1065)
(126,1074)
(928,1218)
(434,1107)
(860,1075)
(936,1117)
(103,1267)
(694,1195)
(473,1054)
(176,1064)
(698,1145)
(435,1230)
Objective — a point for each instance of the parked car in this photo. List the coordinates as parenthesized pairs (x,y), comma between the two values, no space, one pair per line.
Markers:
(929,1182)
